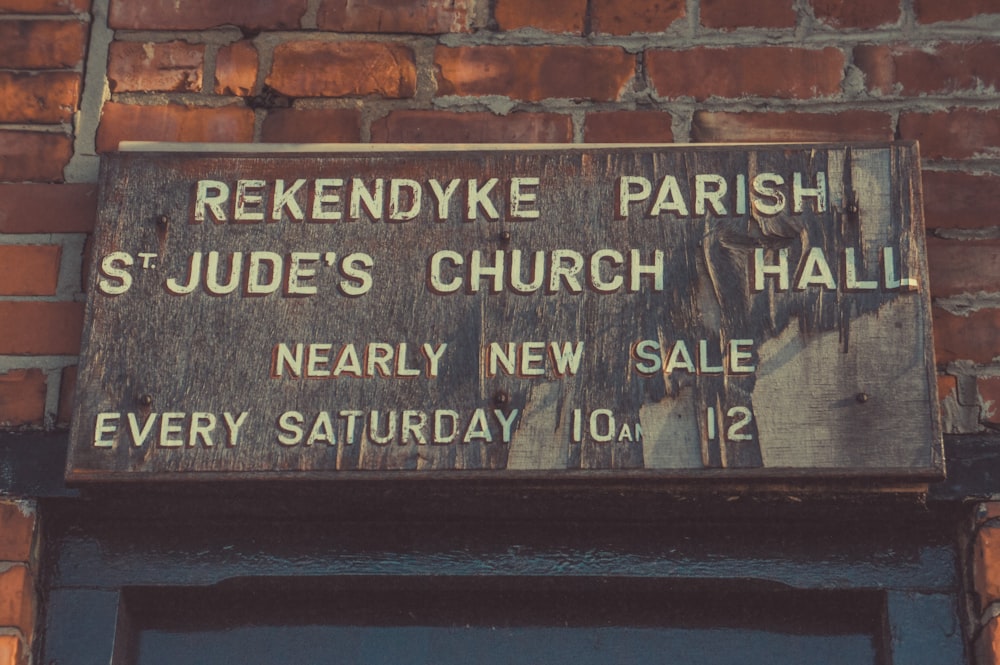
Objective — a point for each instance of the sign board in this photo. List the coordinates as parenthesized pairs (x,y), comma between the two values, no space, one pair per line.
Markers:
(682,311)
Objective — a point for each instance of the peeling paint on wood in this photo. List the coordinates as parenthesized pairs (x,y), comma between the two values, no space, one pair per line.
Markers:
(682,311)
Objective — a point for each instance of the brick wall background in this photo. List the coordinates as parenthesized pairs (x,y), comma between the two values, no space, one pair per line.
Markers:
(78,76)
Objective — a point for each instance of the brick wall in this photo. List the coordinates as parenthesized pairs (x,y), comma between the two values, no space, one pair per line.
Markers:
(17,580)
(78,76)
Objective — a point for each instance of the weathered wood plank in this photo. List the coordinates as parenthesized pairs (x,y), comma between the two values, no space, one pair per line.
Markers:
(757,310)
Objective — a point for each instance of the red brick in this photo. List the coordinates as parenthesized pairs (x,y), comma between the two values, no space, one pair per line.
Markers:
(47,208)
(955,134)
(199,15)
(932,11)
(975,337)
(551,16)
(42,44)
(67,393)
(41,328)
(628,127)
(29,270)
(854,14)
(534,73)
(623,17)
(987,646)
(343,69)
(11,651)
(987,511)
(986,565)
(312,126)
(236,69)
(946,385)
(760,71)
(44,6)
(960,201)
(733,14)
(427,17)
(449,127)
(17,530)
(989,391)
(17,599)
(22,398)
(172,122)
(155,67)
(946,68)
(34,156)
(949,263)
(712,127)
(46,97)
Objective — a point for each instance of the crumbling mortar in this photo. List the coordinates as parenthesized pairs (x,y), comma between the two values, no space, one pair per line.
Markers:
(577,118)
(969,235)
(423,57)
(309,19)
(220,36)
(965,304)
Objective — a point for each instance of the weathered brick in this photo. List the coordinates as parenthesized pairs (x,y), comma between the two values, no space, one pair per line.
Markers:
(628,127)
(17,599)
(22,398)
(932,11)
(624,17)
(960,200)
(946,385)
(312,126)
(975,337)
(29,270)
(155,66)
(28,44)
(42,328)
(909,70)
(712,126)
(561,16)
(67,393)
(854,14)
(44,6)
(760,71)
(449,127)
(199,15)
(37,156)
(17,530)
(27,208)
(949,263)
(534,73)
(236,69)
(733,14)
(11,651)
(955,134)
(989,392)
(427,17)
(172,122)
(987,646)
(986,565)
(44,97)
(343,69)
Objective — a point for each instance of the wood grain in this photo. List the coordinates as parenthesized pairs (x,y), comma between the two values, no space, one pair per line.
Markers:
(843,381)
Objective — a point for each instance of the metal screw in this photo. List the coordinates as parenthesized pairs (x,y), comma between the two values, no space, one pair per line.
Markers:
(501,398)
(861,397)
(505,236)
(145,400)
(162,222)
(853,208)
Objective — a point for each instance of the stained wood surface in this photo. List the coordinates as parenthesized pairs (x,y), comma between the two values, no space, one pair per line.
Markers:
(843,381)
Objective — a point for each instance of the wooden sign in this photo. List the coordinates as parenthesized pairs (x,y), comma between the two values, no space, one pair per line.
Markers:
(689,311)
